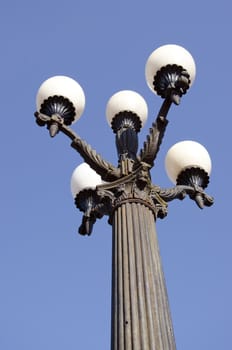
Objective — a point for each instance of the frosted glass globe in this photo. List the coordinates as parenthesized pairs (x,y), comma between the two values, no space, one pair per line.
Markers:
(169,55)
(126,100)
(84,177)
(62,86)
(186,154)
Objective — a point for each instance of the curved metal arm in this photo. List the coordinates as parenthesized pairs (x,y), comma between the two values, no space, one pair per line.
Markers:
(154,139)
(106,170)
(179,192)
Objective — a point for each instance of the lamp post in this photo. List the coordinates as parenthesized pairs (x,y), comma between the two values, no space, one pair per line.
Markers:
(140,311)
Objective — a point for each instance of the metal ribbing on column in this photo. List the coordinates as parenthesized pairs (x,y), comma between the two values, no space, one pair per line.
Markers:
(140,311)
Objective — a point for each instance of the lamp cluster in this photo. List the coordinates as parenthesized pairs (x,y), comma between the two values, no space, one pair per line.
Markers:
(170,71)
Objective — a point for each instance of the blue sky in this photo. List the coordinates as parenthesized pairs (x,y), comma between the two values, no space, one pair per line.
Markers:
(55,284)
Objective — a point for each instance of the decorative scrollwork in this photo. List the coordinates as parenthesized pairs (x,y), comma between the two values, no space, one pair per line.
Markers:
(171,83)
(195,193)
(106,170)
(154,139)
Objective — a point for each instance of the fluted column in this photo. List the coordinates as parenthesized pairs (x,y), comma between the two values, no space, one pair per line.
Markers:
(140,311)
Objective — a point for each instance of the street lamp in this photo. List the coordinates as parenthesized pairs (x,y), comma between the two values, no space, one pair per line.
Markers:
(125,193)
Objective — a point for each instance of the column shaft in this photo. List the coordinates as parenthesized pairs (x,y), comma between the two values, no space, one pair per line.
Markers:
(140,311)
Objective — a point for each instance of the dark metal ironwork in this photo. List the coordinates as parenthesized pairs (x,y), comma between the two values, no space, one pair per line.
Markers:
(171,81)
(152,144)
(193,176)
(60,106)
(140,311)
(126,125)
(107,171)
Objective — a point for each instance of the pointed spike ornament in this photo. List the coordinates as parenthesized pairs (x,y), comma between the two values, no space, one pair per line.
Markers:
(53,129)
(199,200)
